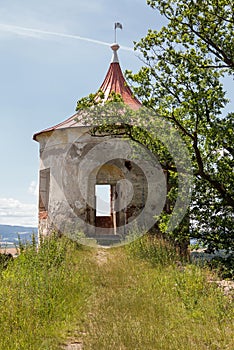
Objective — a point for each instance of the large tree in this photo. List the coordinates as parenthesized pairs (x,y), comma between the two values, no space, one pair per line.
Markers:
(181,80)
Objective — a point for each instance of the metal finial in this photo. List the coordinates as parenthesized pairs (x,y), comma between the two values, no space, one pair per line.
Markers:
(115,48)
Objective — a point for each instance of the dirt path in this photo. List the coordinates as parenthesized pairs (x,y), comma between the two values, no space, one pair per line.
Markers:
(101,257)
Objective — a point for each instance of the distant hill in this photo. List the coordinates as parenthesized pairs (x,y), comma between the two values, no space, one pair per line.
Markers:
(9,234)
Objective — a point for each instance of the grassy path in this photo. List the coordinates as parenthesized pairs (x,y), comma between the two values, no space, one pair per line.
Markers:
(135,306)
(67,297)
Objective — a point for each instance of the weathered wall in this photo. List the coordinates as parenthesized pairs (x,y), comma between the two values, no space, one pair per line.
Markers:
(75,170)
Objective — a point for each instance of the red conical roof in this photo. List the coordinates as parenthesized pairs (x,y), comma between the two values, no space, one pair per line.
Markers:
(113,82)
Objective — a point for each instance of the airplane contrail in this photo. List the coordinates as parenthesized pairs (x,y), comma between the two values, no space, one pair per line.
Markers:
(26,31)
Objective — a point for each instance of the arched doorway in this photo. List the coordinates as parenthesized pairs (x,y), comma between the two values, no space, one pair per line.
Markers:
(117,192)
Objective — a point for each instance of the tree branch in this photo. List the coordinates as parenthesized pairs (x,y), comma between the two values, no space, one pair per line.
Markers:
(216,184)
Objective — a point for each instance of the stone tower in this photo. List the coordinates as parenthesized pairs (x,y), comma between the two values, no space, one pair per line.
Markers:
(76,167)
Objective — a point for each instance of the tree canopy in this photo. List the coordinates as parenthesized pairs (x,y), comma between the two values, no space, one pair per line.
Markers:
(181,80)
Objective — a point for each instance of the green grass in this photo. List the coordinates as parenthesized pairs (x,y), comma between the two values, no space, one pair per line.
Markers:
(41,295)
(135,297)
(139,305)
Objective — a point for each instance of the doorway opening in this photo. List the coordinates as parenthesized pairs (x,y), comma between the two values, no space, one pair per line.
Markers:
(105,212)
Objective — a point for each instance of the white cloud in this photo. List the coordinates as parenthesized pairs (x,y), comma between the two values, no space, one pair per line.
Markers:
(33,188)
(14,212)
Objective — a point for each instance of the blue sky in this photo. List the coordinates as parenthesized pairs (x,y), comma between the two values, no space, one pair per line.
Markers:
(43,75)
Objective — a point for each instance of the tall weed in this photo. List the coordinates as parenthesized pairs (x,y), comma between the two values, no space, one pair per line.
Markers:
(153,249)
(40,295)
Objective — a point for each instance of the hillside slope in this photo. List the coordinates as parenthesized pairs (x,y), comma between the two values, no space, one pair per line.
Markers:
(9,234)
(137,306)
(69,297)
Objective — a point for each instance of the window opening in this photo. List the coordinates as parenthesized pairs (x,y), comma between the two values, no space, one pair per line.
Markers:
(44,189)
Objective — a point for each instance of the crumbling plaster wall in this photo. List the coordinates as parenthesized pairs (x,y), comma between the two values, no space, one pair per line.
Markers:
(71,194)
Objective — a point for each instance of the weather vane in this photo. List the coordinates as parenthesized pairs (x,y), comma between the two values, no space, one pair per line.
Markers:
(117,25)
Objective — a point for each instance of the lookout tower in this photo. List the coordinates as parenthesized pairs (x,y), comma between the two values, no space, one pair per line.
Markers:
(76,191)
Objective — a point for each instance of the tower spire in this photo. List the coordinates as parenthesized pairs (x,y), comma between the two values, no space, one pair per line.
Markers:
(115,48)
(115,82)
